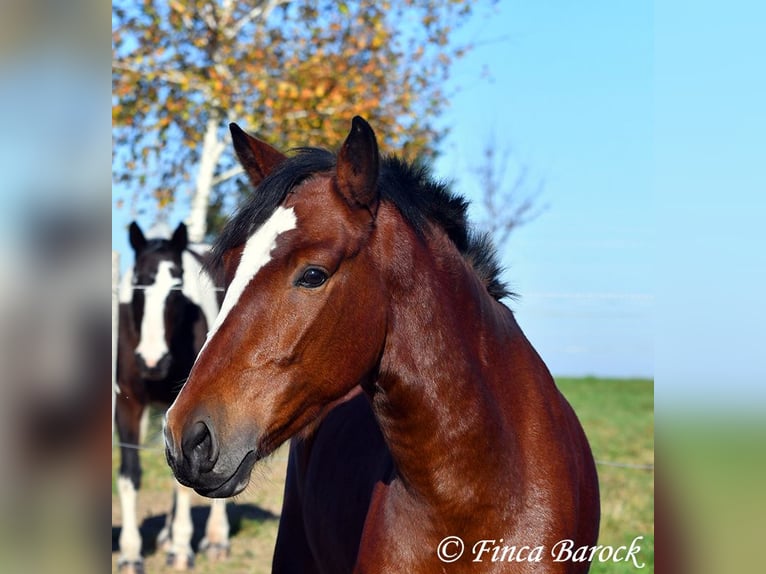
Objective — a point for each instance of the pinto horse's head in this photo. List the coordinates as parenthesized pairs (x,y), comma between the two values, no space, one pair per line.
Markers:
(157,278)
(303,319)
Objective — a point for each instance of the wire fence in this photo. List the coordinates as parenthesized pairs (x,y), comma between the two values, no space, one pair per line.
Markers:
(633,297)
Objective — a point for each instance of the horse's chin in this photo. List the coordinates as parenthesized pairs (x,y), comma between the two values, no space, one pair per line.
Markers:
(154,375)
(231,486)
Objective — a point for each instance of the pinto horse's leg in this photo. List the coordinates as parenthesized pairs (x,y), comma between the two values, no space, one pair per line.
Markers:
(128,417)
(215,544)
(181,556)
(163,538)
(129,560)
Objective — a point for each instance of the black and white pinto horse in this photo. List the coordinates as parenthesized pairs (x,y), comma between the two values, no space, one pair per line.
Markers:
(166,305)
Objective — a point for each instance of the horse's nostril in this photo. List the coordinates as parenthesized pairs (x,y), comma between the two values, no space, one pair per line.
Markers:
(200,448)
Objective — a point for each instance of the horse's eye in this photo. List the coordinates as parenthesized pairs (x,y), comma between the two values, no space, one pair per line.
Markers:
(312,278)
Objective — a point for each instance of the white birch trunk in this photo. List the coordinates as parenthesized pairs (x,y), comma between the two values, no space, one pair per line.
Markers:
(212,148)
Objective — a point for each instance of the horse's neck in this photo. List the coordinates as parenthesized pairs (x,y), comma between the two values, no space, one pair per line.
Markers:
(448,390)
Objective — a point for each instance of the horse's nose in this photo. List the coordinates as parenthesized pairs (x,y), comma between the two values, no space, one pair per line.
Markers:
(199,448)
(154,369)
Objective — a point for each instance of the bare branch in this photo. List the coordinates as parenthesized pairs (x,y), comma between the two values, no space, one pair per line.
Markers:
(210,16)
(262,11)
(506,207)
(227,175)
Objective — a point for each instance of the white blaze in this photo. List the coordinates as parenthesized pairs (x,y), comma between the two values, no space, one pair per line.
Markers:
(256,254)
(153,345)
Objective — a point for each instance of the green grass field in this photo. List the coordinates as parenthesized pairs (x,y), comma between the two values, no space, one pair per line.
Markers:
(618,416)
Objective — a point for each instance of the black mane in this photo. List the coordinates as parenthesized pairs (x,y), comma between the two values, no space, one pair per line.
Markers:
(410,187)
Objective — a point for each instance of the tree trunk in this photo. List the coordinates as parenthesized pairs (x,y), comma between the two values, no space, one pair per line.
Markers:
(212,148)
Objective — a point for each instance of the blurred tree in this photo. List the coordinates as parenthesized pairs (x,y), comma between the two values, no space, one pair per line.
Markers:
(294,71)
(507,200)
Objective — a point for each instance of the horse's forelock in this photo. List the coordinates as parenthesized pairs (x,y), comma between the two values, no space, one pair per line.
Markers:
(265,199)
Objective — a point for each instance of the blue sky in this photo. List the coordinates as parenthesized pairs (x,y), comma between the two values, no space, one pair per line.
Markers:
(710,184)
(570,94)
(646,124)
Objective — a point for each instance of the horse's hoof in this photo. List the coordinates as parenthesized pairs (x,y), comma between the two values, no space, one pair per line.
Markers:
(182,561)
(214,551)
(130,566)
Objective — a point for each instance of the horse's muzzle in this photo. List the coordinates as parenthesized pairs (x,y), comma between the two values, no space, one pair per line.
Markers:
(196,462)
(158,371)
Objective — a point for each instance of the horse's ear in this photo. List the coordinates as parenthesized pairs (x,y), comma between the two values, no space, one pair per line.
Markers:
(137,239)
(180,238)
(358,166)
(258,158)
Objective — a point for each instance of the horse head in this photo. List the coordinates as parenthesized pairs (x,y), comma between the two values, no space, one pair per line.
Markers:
(157,297)
(303,319)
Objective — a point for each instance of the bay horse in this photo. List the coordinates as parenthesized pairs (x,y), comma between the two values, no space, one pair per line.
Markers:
(363,318)
(166,307)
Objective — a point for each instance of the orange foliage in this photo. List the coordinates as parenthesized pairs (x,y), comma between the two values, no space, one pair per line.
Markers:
(292,72)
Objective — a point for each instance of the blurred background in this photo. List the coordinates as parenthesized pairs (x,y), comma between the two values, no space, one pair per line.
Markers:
(616,151)
(54,289)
